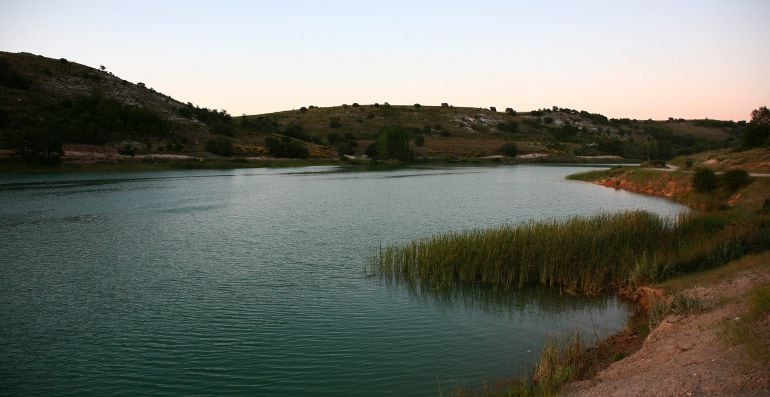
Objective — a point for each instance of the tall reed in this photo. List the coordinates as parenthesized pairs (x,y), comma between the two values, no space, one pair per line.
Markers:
(581,254)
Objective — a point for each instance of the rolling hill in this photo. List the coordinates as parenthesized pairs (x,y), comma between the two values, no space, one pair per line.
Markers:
(46,103)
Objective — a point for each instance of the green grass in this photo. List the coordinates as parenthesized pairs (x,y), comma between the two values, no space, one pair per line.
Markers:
(752,329)
(587,255)
(680,304)
(562,360)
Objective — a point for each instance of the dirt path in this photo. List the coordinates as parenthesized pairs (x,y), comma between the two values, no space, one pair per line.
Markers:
(685,356)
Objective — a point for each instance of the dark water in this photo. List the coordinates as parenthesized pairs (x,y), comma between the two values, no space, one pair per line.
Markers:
(252,282)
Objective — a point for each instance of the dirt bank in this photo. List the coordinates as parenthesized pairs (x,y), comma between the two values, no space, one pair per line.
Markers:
(689,355)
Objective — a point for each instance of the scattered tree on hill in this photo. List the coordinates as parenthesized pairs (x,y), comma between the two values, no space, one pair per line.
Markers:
(492,109)
(36,144)
(10,78)
(393,144)
(704,180)
(262,124)
(509,149)
(510,126)
(295,130)
(757,132)
(444,105)
(510,111)
(286,147)
(417,105)
(735,179)
(220,145)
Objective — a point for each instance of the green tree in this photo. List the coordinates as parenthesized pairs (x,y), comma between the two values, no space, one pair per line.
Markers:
(509,149)
(757,132)
(220,145)
(704,180)
(35,144)
(393,144)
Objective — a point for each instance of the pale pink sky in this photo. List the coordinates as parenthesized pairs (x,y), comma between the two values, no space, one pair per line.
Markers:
(638,59)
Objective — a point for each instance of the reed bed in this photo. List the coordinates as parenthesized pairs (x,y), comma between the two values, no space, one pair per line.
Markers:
(582,254)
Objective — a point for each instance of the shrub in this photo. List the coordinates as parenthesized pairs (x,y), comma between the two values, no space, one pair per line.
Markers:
(220,145)
(735,179)
(303,109)
(10,78)
(510,126)
(222,128)
(492,109)
(286,147)
(419,140)
(417,105)
(704,180)
(547,120)
(509,149)
(393,144)
(296,130)
(355,104)
(510,111)
(444,105)
(127,150)
(334,122)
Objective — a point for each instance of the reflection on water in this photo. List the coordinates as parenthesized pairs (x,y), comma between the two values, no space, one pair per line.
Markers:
(249,281)
(544,302)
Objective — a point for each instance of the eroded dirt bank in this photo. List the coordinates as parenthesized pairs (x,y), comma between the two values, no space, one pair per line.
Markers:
(689,355)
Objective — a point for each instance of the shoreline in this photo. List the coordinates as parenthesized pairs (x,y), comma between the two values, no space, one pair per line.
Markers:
(638,371)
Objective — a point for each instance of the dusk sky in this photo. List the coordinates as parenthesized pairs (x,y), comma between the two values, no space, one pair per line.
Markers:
(641,59)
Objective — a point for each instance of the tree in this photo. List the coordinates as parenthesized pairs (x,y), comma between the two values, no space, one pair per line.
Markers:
(393,144)
(419,140)
(220,145)
(704,180)
(35,144)
(510,111)
(509,149)
(757,132)
(492,109)
(286,147)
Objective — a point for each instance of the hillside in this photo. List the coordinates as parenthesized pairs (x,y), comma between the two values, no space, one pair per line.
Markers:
(50,107)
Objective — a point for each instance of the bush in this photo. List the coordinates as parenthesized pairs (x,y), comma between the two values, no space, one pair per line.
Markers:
(444,105)
(220,145)
(393,144)
(419,140)
(492,109)
(417,105)
(735,179)
(334,122)
(10,78)
(510,111)
(704,180)
(222,128)
(509,149)
(286,147)
(510,126)
(295,130)
(34,144)
(127,150)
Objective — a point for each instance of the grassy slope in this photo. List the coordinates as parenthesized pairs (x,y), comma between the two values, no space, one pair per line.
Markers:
(451,132)
(753,160)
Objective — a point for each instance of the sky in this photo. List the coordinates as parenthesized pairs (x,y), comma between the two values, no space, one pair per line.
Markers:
(636,59)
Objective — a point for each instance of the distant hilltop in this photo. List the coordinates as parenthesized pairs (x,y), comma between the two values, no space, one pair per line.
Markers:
(52,106)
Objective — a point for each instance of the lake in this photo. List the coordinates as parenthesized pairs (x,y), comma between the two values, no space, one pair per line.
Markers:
(252,281)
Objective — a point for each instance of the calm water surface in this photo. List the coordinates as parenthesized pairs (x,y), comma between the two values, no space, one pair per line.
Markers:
(251,281)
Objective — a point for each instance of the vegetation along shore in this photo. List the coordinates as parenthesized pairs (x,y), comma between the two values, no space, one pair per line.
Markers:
(663,265)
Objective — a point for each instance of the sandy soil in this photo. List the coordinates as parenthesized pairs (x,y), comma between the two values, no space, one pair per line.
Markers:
(685,356)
